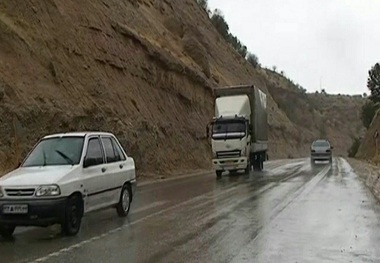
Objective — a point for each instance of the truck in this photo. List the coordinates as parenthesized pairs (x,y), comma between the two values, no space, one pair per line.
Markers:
(239,129)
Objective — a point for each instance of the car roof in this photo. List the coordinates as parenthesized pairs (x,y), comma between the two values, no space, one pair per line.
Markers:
(77,134)
(321,140)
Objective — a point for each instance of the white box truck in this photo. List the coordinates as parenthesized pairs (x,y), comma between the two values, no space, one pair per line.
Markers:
(239,130)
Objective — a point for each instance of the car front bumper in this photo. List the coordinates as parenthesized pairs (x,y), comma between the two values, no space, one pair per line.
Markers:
(40,212)
(321,156)
(230,164)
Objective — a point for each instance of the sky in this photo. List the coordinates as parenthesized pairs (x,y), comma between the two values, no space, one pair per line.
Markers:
(330,44)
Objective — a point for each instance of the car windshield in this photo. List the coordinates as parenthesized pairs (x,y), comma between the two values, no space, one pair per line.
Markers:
(224,129)
(321,144)
(56,151)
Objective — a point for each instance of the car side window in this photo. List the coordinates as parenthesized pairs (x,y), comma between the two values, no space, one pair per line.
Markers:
(119,153)
(94,154)
(111,153)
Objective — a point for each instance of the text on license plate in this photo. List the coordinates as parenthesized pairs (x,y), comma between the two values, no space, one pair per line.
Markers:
(15,209)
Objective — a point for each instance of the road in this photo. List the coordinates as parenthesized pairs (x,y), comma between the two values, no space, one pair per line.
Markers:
(291,212)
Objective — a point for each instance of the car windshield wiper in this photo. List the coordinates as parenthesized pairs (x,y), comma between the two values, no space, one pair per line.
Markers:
(44,156)
(67,158)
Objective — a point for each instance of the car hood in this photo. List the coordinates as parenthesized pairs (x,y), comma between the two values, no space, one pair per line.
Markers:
(28,176)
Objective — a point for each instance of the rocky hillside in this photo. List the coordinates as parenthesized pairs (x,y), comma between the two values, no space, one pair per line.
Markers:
(367,149)
(143,69)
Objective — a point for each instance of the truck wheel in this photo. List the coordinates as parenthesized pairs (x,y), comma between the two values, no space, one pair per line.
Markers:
(249,168)
(6,231)
(73,216)
(261,162)
(219,174)
(124,204)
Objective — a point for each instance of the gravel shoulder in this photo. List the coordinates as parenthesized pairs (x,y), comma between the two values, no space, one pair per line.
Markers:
(369,173)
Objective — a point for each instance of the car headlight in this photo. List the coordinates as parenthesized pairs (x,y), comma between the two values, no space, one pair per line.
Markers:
(1,192)
(48,190)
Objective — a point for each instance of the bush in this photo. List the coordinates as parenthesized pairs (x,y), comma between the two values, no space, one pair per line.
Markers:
(354,147)
(368,112)
(217,19)
(373,83)
(253,60)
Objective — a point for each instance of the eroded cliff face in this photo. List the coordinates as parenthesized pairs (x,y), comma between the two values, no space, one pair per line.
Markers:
(143,70)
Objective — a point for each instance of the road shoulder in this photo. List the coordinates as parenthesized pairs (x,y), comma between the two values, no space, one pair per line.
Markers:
(369,173)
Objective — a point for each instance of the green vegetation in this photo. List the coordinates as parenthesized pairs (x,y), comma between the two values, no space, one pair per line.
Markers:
(373,104)
(221,25)
(373,83)
(354,147)
(253,60)
(368,112)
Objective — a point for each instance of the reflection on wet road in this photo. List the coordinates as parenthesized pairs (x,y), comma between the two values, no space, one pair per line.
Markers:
(291,212)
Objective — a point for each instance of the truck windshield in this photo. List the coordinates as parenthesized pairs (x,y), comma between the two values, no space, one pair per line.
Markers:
(228,130)
(56,151)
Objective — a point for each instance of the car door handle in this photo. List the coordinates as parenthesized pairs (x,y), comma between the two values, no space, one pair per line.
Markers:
(104,169)
(121,166)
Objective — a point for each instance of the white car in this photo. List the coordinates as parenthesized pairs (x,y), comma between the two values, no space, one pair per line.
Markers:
(64,177)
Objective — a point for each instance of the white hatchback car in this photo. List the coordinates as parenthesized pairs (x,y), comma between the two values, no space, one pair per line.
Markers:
(64,177)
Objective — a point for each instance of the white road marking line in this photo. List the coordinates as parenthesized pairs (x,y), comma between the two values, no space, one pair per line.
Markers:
(152,205)
(82,243)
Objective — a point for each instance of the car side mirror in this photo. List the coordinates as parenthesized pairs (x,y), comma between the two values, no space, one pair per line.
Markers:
(89,162)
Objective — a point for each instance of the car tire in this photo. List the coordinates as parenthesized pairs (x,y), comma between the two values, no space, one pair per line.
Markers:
(124,204)
(73,216)
(6,231)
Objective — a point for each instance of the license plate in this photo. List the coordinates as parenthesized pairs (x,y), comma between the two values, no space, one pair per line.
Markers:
(15,209)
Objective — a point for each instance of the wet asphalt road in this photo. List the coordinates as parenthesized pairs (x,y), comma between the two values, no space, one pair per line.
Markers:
(291,212)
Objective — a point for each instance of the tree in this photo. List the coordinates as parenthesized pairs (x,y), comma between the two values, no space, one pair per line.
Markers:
(354,147)
(253,60)
(203,4)
(217,19)
(274,68)
(243,51)
(373,83)
(368,112)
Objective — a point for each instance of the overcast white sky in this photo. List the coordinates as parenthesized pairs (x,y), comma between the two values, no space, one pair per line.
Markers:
(336,40)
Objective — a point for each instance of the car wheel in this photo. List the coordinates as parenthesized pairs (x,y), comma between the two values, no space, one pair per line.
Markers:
(6,231)
(73,216)
(124,204)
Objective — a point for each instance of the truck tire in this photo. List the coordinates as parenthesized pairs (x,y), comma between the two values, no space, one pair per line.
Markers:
(219,174)
(249,167)
(261,165)
(6,231)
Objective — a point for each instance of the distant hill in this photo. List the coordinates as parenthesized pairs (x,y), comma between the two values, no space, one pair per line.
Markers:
(144,70)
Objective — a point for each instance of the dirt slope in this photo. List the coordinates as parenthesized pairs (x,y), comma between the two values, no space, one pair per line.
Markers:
(142,69)
(367,149)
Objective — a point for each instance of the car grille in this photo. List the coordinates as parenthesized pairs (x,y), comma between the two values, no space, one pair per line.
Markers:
(19,191)
(228,154)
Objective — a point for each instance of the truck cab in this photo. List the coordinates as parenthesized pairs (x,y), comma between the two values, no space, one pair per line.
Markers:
(236,129)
